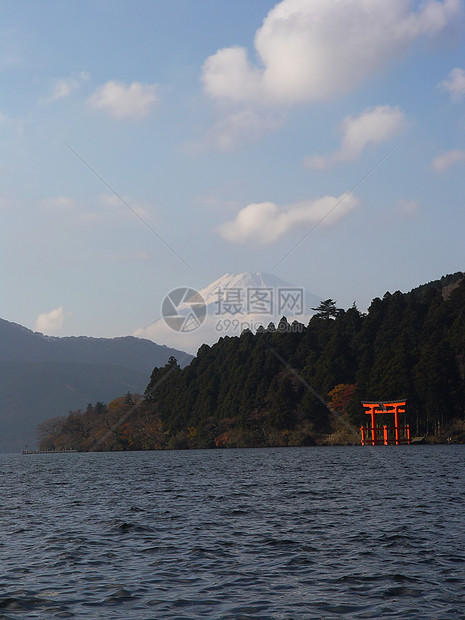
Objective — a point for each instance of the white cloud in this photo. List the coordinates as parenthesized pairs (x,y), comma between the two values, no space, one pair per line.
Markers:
(50,322)
(66,86)
(241,127)
(455,84)
(265,222)
(70,210)
(104,207)
(58,204)
(111,201)
(183,341)
(374,126)
(13,45)
(143,210)
(10,61)
(443,162)
(14,124)
(313,51)
(121,101)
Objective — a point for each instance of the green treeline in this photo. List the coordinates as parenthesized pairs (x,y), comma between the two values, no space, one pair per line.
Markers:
(295,384)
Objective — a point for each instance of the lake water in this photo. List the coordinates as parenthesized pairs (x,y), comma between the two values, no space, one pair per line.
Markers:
(269,533)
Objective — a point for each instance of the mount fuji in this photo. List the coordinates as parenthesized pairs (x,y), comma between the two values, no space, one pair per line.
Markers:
(226,307)
(239,289)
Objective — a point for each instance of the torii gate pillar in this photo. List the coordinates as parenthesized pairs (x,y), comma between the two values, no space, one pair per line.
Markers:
(377,408)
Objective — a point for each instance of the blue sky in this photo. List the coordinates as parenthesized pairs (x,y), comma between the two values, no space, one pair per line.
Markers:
(322,140)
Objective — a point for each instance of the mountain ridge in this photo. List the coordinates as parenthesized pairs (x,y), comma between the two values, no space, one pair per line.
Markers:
(254,280)
(19,343)
(43,376)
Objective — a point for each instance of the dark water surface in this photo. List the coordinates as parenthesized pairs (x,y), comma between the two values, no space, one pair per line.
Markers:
(278,533)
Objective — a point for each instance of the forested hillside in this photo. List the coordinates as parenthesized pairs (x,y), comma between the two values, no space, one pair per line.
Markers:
(42,376)
(298,385)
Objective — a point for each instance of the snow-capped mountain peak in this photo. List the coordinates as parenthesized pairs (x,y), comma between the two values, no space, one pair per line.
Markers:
(228,306)
(243,285)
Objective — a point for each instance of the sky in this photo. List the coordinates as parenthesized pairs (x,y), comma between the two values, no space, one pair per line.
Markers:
(147,145)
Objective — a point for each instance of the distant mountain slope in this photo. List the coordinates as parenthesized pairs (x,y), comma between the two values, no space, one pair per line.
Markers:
(19,344)
(33,392)
(42,376)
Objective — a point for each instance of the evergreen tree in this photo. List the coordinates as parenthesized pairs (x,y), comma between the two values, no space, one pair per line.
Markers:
(326,310)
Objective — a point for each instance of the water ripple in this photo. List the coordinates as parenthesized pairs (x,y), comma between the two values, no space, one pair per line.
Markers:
(280,533)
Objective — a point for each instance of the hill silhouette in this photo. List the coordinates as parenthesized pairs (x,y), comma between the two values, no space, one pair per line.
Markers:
(43,376)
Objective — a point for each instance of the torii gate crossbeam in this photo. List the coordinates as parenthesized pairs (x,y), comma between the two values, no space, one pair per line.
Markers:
(402,433)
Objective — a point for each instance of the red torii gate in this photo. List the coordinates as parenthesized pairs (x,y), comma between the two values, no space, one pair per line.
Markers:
(401,433)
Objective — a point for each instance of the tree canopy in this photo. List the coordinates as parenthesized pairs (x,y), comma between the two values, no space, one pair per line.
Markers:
(326,310)
(295,384)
